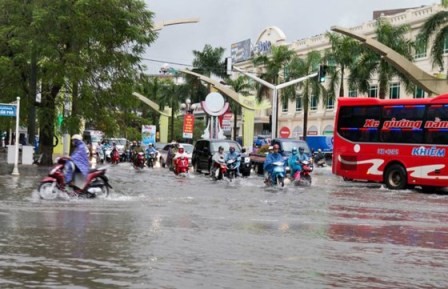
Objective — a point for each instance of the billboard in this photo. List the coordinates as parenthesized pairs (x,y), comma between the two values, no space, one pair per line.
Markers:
(240,51)
(148,134)
(188,126)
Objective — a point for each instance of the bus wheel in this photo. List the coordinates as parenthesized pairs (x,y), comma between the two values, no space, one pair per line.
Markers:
(395,177)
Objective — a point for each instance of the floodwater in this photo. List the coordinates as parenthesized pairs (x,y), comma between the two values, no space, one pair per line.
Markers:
(160,231)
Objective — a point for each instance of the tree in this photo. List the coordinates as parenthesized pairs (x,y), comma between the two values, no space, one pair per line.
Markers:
(272,65)
(436,26)
(311,87)
(342,55)
(370,63)
(209,61)
(242,86)
(95,59)
(172,94)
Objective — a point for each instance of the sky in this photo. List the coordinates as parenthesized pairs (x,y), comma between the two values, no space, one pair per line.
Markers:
(223,22)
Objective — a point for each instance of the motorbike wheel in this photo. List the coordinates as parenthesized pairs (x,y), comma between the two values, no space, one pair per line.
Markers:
(306,180)
(280,182)
(104,188)
(48,191)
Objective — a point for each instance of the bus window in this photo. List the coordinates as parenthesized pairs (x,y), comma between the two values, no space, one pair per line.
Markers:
(353,123)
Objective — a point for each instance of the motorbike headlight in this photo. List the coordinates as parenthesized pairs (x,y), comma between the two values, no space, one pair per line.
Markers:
(247,160)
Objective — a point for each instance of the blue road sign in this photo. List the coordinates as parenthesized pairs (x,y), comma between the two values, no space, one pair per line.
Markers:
(8,110)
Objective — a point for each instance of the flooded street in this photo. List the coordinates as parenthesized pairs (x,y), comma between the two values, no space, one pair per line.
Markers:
(159,231)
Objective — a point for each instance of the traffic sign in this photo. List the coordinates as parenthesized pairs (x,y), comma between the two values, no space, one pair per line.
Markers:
(8,110)
(285,132)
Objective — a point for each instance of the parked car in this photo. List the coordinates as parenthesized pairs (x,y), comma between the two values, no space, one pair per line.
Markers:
(205,149)
(164,152)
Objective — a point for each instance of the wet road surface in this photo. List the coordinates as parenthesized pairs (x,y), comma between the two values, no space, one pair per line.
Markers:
(161,231)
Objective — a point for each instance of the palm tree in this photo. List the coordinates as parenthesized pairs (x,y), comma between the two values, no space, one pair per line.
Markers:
(370,63)
(209,61)
(437,26)
(242,86)
(172,94)
(343,54)
(311,87)
(272,65)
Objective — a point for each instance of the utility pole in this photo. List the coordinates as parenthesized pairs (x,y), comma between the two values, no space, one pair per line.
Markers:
(275,89)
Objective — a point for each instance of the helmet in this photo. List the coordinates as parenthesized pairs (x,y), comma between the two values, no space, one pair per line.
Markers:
(276,146)
(294,150)
(301,149)
(220,148)
(77,136)
(181,149)
(319,150)
(113,143)
(231,149)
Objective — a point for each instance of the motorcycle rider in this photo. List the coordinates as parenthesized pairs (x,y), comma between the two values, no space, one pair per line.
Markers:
(217,158)
(79,160)
(150,149)
(319,158)
(302,156)
(271,158)
(233,155)
(293,162)
(137,149)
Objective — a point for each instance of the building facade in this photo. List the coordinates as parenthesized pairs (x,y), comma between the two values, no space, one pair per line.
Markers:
(321,115)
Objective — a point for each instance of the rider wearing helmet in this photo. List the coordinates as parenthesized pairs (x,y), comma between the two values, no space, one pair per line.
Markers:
(150,149)
(271,158)
(180,153)
(294,162)
(302,155)
(233,155)
(79,160)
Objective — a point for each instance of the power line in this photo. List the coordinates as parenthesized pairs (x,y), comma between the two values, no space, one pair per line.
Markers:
(169,62)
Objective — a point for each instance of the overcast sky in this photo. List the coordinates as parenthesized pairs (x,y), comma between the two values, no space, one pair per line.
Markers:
(223,22)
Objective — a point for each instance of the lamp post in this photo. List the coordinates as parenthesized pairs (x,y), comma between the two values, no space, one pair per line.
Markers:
(275,89)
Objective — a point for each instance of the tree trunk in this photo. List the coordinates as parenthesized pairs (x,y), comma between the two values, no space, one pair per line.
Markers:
(341,87)
(305,119)
(32,97)
(47,117)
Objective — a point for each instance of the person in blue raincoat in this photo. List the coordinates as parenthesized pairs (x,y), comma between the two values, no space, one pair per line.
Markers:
(293,162)
(271,158)
(233,155)
(79,158)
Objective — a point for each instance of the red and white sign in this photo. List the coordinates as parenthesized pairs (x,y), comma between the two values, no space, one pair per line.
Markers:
(188,126)
(285,132)
(227,122)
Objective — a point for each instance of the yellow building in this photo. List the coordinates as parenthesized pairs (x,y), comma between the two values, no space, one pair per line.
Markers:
(321,115)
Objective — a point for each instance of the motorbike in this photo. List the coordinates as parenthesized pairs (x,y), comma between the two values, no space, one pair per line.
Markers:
(303,177)
(181,166)
(139,161)
(115,157)
(319,160)
(232,168)
(150,159)
(100,156)
(219,170)
(95,185)
(279,175)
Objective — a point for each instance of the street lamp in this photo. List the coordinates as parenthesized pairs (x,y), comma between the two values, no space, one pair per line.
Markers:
(188,107)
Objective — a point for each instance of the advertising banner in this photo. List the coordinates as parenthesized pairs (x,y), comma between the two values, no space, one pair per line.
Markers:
(188,126)
(148,134)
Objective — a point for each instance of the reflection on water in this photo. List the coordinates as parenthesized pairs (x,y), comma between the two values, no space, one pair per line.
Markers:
(158,231)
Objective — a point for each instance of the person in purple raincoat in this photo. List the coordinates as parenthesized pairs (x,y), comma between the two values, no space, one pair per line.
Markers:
(79,158)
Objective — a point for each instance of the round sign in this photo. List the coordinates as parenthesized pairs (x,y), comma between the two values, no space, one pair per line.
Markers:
(214,101)
(285,132)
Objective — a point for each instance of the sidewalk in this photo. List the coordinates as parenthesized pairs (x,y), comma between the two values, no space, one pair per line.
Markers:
(24,170)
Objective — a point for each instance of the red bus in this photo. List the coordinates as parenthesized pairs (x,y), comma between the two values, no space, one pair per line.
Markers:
(399,142)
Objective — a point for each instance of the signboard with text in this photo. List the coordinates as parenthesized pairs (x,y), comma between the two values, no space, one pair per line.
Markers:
(188,126)
(8,110)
